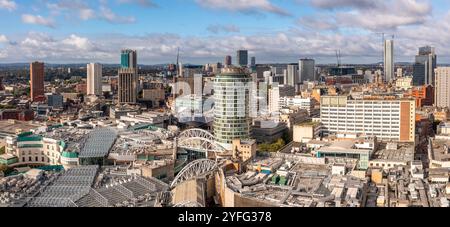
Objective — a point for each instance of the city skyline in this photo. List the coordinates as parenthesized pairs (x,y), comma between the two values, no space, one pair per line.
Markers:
(208,30)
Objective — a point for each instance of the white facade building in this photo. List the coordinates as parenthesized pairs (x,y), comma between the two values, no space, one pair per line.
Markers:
(389,60)
(442,86)
(302,103)
(94,79)
(274,99)
(386,118)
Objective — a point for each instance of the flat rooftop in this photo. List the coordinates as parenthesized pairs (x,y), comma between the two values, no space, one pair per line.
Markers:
(344,146)
(439,152)
(403,153)
(10,127)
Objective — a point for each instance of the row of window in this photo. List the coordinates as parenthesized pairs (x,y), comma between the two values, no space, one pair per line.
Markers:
(36,159)
(334,123)
(37,153)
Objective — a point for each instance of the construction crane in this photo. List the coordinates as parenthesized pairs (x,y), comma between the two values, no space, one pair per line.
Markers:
(382,44)
(383,39)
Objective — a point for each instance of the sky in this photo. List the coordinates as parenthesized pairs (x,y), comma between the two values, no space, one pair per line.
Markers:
(274,31)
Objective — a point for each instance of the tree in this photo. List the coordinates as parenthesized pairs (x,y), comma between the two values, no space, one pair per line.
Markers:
(274,147)
(287,136)
(3,168)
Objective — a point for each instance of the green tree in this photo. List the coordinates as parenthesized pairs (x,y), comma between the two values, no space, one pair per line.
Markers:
(3,168)
(274,147)
(287,136)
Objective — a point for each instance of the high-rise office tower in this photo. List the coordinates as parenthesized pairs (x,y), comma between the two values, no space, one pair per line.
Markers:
(307,70)
(232,106)
(94,79)
(242,58)
(399,72)
(442,87)
(37,81)
(268,79)
(128,78)
(253,62)
(292,77)
(228,60)
(424,67)
(389,60)
(128,59)
(274,98)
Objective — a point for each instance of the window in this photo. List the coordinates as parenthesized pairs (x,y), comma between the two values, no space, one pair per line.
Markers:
(29,159)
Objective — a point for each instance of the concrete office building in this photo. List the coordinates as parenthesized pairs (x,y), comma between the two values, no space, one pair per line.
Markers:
(387,118)
(232,102)
(128,78)
(425,64)
(399,72)
(94,79)
(389,60)
(292,77)
(274,99)
(55,100)
(228,60)
(297,101)
(442,87)
(253,63)
(242,58)
(307,70)
(37,81)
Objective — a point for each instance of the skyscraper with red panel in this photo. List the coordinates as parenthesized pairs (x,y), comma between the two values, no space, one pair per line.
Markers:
(37,81)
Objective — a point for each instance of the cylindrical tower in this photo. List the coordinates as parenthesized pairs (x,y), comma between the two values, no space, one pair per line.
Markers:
(232,106)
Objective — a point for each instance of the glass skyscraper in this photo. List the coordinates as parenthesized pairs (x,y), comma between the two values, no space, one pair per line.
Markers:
(232,106)
(424,67)
(128,78)
(128,59)
(242,58)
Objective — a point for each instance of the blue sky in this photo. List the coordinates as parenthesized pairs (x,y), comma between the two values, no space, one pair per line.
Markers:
(79,31)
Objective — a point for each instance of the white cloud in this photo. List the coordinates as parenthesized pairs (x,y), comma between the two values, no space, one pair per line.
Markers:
(82,10)
(8,4)
(145,3)
(374,15)
(280,47)
(86,14)
(217,28)
(243,6)
(284,46)
(333,4)
(3,39)
(108,15)
(78,42)
(37,19)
